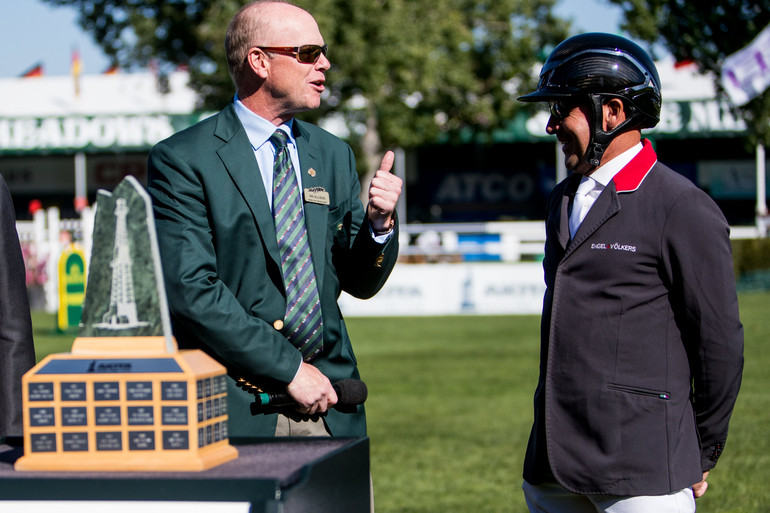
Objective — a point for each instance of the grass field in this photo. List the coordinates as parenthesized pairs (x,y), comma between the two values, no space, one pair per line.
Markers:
(450,407)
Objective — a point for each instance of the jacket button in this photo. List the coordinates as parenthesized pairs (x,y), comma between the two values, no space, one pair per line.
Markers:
(278,325)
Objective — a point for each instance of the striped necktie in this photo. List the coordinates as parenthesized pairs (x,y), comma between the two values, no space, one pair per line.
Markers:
(302,322)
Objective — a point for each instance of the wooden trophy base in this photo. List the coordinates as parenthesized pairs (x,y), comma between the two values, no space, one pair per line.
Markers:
(125,404)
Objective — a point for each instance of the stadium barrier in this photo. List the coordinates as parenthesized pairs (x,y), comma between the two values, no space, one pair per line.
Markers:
(501,271)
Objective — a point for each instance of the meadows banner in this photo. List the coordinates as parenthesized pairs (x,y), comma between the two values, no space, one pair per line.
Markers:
(139,132)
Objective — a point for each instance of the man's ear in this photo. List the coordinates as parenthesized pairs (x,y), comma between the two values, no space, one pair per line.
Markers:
(614,114)
(258,61)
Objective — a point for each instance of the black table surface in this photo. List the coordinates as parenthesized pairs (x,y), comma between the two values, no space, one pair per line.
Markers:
(264,467)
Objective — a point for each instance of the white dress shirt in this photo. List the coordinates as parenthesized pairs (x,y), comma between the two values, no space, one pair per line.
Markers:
(259,130)
(591,186)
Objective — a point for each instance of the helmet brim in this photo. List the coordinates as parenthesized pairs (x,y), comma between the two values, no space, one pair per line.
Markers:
(544,96)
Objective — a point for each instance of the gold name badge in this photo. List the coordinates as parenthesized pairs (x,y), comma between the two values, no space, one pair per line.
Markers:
(317,195)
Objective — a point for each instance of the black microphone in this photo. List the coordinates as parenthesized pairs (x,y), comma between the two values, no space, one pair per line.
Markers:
(350,393)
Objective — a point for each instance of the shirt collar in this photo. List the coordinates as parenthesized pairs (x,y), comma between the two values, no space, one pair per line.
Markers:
(605,173)
(258,129)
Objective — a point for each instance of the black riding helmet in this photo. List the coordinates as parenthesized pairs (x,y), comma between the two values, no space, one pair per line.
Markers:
(592,68)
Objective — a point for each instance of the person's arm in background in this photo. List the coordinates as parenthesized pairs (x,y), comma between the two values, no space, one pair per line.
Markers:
(17,351)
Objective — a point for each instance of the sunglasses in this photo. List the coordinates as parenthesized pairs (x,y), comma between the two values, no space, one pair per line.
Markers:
(307,54)
(560,110)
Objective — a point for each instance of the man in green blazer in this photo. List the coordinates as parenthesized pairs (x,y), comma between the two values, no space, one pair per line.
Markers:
(212,191)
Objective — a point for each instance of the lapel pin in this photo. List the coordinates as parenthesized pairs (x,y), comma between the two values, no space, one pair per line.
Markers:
(311,172)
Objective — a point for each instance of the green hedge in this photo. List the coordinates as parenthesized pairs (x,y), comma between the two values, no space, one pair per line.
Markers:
(751,263)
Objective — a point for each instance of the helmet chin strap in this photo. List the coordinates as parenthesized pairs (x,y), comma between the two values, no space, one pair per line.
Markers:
(600,139)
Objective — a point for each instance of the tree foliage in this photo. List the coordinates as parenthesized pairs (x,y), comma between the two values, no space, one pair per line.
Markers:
(706,31)
(404,72)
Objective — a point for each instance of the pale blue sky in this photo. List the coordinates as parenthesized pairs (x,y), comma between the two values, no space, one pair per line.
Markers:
(33,32)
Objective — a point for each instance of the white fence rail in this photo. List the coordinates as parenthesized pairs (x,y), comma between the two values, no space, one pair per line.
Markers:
(498,241)
(44,238)
(42,241)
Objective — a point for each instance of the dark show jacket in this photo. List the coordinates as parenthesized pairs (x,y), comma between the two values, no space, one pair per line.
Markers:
(222,264)
(637,306)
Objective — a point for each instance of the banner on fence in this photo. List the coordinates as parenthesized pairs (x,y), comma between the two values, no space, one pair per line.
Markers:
(72,286)
(454,289)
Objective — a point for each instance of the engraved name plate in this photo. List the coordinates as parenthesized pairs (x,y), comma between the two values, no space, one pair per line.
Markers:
(141,441)
(41,417)
(207,387)
(174,415)
(74,416)
(43,442)
(106,391)
(176,440)
(173,391)
(140,416)
(73,391)
(109,441)
(107,415)
(139,390)
(74,442)
(40,391)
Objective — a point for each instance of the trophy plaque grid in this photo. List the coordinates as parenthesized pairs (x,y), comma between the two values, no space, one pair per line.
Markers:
(125,411)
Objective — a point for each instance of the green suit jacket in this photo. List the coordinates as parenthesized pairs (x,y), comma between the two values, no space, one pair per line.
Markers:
(221,261)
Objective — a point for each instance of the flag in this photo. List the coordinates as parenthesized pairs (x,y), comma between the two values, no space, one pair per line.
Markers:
(746,73)
(34,71)
(683,63)
(76,69)
(161,77)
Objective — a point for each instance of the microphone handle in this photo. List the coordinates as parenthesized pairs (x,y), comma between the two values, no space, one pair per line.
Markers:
(281,398)
(273,399)
(270,400)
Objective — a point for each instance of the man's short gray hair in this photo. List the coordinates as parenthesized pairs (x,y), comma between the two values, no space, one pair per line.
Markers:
(248,28)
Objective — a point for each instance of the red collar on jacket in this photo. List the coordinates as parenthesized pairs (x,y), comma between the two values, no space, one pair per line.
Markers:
(633,174)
